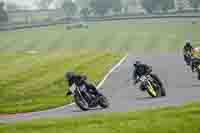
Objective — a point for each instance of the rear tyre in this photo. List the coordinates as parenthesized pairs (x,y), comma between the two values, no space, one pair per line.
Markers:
(103,102)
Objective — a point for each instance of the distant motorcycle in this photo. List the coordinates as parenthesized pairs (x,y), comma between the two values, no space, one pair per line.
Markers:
(188,57)
(86,100)
(198,71)
(152,87)
(195,64)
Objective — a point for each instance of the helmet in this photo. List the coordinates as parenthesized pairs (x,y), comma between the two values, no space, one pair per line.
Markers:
(188,43)
(137,63)
(69,75)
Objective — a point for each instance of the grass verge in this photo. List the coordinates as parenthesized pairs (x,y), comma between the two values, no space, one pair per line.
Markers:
(36,82)
(183,119)
(145,36)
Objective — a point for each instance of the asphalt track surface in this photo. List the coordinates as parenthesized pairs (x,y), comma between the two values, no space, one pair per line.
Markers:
(181,84)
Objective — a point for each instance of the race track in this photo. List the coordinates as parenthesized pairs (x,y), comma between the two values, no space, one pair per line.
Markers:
(181,84)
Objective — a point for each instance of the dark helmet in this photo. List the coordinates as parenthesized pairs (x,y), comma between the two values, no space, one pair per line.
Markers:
(188,44)
(69,75)
(137,63)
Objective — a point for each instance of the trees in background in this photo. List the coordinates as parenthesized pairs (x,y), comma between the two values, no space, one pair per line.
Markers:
(3,13)
(84,12)
(83,3)
(156,5)
(180,5)
(194,4)
(117,6)
(11,6)
(165,5)
(148,5)
(70,8)
(100,7)
(43,4)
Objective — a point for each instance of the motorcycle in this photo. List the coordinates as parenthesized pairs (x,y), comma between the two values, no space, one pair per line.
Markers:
(198,71)
(188,57)
(152,86)
(86,100)
(195,64)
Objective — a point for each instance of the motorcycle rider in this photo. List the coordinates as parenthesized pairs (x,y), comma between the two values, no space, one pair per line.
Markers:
(144,69)
(187,49)
(80,80)
(195,61)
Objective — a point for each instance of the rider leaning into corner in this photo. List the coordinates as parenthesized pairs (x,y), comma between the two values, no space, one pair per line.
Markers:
(144,69)
(187,51)
(80,80)
(194,60)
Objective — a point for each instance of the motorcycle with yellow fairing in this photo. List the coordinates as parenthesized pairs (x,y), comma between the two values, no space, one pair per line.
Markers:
(152,86)
(195,61)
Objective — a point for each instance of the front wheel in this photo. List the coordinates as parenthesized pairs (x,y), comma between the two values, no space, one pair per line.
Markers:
(163,92)
(198,72)
(152,91)
(81,103)
(155,90)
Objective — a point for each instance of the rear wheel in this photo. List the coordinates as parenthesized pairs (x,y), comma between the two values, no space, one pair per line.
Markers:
(103,102)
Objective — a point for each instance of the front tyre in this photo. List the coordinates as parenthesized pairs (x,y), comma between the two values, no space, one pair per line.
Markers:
(198,72)
(163,92)
(81,103)
(152,92)
(157,84)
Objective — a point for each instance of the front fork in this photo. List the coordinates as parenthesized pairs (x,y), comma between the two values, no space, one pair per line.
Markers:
(82,97)
(150,88)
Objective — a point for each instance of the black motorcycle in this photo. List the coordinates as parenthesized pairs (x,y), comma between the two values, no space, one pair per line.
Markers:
(195,65)
(188,57)
(86,100)
(152,86)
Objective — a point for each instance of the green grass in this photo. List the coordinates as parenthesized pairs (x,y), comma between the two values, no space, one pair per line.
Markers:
(36,82)
(32,82)
(184,119)
(121,36)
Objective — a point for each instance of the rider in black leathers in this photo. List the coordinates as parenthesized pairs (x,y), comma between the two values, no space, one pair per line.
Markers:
(80,80)
(194,66)
(144,69)
(187,49)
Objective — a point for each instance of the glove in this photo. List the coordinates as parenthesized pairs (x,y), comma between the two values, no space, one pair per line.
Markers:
(149,70)
(193,69)
(84,77)
(135,82)
(68,93)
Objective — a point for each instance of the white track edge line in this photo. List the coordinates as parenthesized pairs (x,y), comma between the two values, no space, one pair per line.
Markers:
(108,74)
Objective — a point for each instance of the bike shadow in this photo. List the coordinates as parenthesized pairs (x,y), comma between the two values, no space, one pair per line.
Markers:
(150,98)
(196,85)
(144,98)
(77,110)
